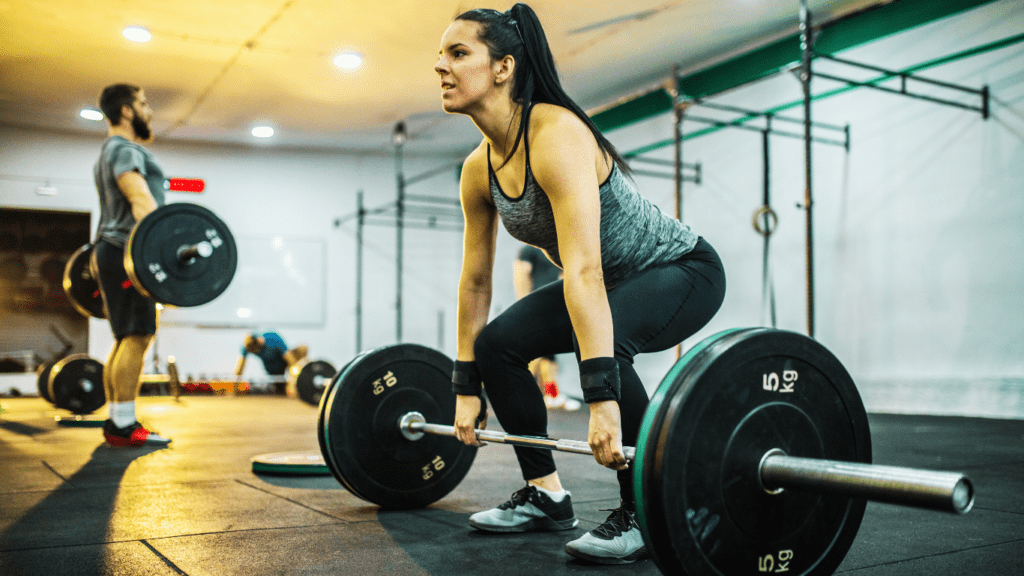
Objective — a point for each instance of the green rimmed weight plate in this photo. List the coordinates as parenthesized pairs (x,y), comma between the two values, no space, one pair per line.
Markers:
(716,414)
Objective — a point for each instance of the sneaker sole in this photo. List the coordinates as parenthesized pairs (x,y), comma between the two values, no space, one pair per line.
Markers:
(125,443)
(535,525)
(640,554)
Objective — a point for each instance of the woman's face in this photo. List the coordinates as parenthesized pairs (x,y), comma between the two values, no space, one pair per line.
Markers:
(465,68)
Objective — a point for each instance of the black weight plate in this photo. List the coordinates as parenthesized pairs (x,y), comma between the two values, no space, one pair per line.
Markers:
(751,391)
(360,427)
(82,289)
(76,384)
(43,381)
(151,255)
(324,399)
(312,380)
(650,508)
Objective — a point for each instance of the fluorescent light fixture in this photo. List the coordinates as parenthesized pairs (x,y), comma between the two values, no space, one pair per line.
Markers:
(348,60)
(244,313)
(263,131)
(137,34)
(90,114)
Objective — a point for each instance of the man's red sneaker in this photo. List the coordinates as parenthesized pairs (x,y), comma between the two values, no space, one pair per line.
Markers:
(133,435)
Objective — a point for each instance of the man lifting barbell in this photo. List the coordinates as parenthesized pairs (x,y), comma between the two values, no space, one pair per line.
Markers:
(129,181)
(635,280)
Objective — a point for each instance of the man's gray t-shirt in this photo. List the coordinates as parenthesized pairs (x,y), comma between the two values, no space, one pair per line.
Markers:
(117,157)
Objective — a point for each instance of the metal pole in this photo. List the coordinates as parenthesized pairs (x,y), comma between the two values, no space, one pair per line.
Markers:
(677,133)
(399,222)
(942,491)
(677,165)
(361,221)
(767,291)
(806,47)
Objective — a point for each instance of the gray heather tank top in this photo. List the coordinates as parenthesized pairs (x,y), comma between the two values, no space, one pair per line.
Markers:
(635,234)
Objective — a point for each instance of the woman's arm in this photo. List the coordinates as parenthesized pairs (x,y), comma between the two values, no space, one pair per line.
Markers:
(564,157)
(475,281)
(478,245)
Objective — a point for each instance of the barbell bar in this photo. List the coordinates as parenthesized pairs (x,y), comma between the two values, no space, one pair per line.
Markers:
(755,449)
(942,491)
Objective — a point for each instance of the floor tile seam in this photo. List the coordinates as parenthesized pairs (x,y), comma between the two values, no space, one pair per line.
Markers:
(293,501)
(164,559)
(170,537)
(987,509)
(992,465)
(58,474)
(935,555)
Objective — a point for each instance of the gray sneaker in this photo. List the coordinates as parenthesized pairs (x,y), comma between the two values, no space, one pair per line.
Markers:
(528,509)
(617,541)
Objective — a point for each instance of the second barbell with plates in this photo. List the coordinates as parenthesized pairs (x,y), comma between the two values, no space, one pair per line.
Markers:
(178,255)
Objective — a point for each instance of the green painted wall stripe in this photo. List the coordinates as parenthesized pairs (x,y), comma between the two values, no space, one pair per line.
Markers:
(797,103)
(845,33)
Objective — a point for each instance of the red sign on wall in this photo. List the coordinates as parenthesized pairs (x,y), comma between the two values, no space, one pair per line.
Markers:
(196,185)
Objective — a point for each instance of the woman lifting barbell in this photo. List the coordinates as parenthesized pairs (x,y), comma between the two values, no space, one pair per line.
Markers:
(635,280)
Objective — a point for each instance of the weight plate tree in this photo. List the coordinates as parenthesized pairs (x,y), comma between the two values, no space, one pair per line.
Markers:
(181,255)
(362,443)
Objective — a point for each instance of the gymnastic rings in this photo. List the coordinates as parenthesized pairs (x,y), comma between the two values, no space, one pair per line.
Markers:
(770,220)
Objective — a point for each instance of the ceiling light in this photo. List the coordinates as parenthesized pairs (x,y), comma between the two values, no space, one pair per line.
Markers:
(263,131)
(90,114)
(348,60)
(137,34)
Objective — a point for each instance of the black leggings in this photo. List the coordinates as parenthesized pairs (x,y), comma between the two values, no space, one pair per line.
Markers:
(655,310)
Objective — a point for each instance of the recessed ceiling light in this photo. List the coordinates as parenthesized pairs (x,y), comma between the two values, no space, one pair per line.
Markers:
(90,114)
(263,131)
(137,34)
(348,60)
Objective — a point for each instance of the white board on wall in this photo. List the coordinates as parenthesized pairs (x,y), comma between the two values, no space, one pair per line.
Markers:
(280,281)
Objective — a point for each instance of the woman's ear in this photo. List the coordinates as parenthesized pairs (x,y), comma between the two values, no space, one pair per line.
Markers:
(504,69)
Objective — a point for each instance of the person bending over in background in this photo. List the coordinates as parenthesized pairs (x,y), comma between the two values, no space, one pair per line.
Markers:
(130,183)
(532,270)
(271,349)
(635,280)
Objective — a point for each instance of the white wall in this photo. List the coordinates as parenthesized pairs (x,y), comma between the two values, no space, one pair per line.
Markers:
(918,230)
(262,191)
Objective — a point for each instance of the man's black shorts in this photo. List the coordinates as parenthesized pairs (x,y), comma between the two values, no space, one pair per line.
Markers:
(128,311)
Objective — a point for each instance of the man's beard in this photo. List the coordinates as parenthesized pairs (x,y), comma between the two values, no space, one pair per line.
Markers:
(141,128)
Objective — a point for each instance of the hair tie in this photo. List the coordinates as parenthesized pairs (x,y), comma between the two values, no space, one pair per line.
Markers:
(515,25)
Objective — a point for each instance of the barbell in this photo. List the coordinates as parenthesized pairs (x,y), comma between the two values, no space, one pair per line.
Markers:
(180,254)
(75,383)
(306,379)
(754,454)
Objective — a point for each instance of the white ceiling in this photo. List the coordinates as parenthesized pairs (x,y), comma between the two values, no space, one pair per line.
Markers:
(216,68)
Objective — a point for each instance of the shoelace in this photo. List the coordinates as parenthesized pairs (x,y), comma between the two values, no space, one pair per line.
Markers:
(519,497)
(619,521)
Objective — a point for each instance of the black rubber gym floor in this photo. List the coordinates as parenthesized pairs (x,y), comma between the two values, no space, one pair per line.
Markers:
(69,504)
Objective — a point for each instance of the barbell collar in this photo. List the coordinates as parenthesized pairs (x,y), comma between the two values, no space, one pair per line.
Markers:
(188,253)
(411,425)
(942,491)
